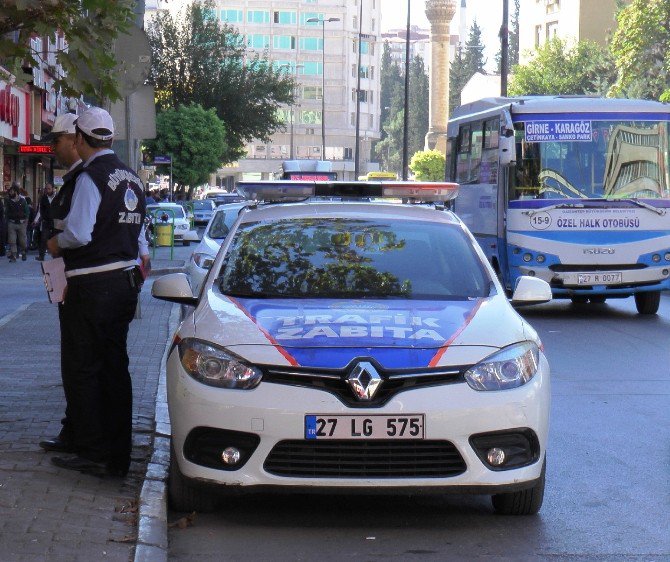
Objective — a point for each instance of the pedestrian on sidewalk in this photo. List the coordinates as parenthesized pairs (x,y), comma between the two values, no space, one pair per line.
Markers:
(17,218)
(44,222)
(100,243)
(62,137)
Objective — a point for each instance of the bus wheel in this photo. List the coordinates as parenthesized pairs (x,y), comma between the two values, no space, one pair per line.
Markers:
(647,303)
(579,299)
(597,299)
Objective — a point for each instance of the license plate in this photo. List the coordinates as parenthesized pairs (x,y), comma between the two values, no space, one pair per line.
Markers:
(376,426)
(599,278)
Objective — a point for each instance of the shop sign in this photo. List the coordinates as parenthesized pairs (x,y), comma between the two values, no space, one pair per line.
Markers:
(13,113)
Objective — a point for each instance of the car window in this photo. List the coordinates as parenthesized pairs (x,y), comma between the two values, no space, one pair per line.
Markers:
(203,205)
(178,210)
(222,223)
(352,258)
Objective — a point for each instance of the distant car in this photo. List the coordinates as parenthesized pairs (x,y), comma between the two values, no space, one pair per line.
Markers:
(222,221)
(203,210)
(164,213)
(355,346)
(223,198)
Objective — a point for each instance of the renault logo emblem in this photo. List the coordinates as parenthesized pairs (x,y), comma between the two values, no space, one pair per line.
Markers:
(364,380)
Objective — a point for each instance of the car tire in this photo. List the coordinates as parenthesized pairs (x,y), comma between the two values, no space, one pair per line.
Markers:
(579,299)
(185,497)
(521,502)
(597,299)
(648,303)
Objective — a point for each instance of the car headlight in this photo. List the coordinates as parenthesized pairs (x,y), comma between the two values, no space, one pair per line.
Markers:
(508,368)
(214,367)
(182,227)
(203,261)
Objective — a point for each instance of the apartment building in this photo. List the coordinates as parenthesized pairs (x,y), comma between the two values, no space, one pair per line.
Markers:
(570,20)
(317,42)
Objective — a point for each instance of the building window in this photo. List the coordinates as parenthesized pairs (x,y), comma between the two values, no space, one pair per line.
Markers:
(308,16)
(258,16)
(552,29)
(353,94)
(348,152)
(365,48)
(538,35)
(371,121)
(285,42)
(353,119)
(256,41)
(312,92)
(363,96)
(354,45)
(365,73)
(372,73)
(310,117)
(232,16)
(311,44)
(373,24)
(312,68)
(284,18)
(354,22)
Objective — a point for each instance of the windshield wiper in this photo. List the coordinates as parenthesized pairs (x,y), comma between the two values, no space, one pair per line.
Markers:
(639,204)
(531,212)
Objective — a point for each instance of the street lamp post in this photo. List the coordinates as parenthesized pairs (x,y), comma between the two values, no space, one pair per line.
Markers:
(323,79)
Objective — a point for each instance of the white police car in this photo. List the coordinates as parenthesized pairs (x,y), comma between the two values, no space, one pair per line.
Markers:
(355,346)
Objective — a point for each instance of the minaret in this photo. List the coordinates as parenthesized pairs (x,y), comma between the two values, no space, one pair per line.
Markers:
(439,14)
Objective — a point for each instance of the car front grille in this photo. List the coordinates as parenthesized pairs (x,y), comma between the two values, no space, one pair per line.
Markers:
(365,459)
(335,382)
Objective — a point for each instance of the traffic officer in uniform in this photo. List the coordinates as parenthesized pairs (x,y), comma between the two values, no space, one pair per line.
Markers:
(62,138)
(100,245)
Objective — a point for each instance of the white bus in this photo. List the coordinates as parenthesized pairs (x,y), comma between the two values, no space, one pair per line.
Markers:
(573,190)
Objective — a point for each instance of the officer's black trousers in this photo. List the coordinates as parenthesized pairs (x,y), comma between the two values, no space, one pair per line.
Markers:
(96,315)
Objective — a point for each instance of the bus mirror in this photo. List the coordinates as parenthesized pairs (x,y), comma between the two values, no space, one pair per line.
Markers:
(507,148)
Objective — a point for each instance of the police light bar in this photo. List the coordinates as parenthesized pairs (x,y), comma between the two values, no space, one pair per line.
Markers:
(282,190)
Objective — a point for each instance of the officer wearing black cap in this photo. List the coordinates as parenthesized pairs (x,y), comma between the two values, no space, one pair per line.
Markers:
(100,243)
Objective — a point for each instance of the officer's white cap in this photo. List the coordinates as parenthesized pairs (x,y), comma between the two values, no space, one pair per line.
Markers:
(96,123)
(63,125)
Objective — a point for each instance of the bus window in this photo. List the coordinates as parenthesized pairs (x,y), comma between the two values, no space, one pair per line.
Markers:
(469,153)
(489,167)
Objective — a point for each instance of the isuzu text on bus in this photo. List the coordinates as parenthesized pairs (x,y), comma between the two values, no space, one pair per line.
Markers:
(573,190)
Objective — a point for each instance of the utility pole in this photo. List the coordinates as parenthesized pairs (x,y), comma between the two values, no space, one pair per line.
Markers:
(357,155)
(405,132)
(504,49)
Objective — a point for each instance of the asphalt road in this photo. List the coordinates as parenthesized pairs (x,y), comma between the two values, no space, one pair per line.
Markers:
(608,485)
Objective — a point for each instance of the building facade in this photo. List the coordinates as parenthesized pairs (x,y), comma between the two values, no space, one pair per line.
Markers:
(570,20)
(317,41)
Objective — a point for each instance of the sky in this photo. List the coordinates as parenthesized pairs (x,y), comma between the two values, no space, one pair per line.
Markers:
(487,13)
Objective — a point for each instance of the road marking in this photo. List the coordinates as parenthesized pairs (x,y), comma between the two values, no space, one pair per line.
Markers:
(9,317)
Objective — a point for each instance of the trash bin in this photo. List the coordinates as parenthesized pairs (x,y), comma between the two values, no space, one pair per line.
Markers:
(163,234)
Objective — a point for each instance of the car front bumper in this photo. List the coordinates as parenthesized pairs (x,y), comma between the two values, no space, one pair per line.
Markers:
(276,412)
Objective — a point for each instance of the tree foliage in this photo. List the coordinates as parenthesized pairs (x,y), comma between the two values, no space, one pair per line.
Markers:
(469,59)
(90,27)
(389,150)
(641,50)
(194,137)
(428,165)
(585,68)
(198,59)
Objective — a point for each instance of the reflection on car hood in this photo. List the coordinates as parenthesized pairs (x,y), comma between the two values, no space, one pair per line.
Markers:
(330,333)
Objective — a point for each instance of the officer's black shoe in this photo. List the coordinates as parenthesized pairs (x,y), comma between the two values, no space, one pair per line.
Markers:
(57,445)
(80,464)
(39,258)
(24,257)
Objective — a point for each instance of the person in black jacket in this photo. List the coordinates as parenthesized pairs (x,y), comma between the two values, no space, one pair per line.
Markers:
(17,219)
(44,221)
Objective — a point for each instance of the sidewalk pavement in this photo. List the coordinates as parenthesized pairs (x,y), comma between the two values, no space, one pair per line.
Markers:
(47,513)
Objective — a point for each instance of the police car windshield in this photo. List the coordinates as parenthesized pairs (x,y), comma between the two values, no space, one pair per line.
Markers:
(352,258)
(178,210)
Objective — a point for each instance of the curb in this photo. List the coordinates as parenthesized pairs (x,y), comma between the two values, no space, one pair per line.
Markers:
(152,536)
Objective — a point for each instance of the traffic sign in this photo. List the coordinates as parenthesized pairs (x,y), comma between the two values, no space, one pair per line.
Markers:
(162,160)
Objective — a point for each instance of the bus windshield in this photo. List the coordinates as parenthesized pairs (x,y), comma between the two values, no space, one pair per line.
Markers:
(613,159)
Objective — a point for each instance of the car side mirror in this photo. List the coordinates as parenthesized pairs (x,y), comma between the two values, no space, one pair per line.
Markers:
(174,287)
(531,290)
(507,146)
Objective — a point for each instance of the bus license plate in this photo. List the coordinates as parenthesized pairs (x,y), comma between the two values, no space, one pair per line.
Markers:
(599,278)
(324,426)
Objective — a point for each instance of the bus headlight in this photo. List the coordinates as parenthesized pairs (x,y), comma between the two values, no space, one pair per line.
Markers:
(215,367)
(508,368)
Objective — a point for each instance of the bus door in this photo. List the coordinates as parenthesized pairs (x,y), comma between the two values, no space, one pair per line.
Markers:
(507,163)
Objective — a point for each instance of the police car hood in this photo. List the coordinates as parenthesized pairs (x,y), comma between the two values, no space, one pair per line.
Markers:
(330,333)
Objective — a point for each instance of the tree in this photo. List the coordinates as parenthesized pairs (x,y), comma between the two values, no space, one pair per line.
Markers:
(585,68)
(428,165)
(197,59)
(641,49)
(90,27)
(468,60)
(196,140)
(418,107)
